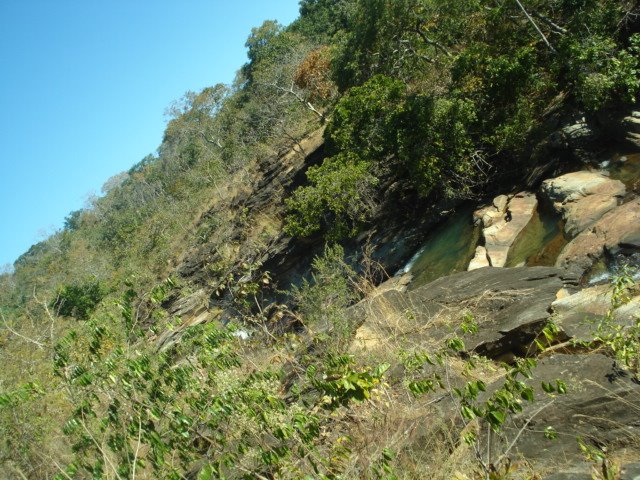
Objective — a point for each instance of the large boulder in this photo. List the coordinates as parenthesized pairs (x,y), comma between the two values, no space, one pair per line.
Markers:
(582,198)
(617,231)
(502,222)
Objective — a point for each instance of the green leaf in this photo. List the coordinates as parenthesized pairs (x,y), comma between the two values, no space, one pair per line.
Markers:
(207,473)
(527,394)
(496,418)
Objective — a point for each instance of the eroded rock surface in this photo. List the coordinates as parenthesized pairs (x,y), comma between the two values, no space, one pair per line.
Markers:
(511,306)
(601,407)
(618,230)
(503,222)
(582,198)
(577,315)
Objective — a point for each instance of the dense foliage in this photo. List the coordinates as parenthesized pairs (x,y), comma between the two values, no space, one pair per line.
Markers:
(102,379)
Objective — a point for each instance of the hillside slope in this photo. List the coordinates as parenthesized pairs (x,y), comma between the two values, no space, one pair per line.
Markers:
(229,309)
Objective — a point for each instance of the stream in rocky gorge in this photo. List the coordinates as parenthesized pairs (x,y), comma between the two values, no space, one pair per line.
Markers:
(541,241)
(626,168)
(450,247)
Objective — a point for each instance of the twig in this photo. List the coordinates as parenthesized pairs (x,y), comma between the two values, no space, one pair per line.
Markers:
(135,457)
(535,25)
(31,340)
(526,424)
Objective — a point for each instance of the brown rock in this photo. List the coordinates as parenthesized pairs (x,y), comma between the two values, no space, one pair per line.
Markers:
(582,198)
(609,233)
(480,260)
(501,235)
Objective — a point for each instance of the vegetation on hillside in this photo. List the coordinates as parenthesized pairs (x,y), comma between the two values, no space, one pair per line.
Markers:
(439,95)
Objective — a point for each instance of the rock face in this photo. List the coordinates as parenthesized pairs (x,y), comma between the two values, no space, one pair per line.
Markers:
(631,127)
(576,314)
(582,198)
(511,306)
(480,259)
(503,221)
(492,213)
(617,230)
(601,407)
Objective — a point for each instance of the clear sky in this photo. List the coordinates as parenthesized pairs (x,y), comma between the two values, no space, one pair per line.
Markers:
(83,90)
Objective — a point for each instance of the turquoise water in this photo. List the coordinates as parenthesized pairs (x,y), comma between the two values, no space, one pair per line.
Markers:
(447,249)
(540,242)
(450,246)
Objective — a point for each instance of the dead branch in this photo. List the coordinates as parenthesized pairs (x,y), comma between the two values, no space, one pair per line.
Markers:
(535,25)
(547,21)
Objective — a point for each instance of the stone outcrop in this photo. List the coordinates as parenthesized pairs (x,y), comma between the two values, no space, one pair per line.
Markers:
(631,127)
(502,223)
(582,198)
(493,213)
(618,230)
(600,407)
(480,259)
(576,315)
(511,306)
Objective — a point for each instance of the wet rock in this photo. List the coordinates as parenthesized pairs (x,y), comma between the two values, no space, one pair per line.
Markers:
(500,236)
(618,228)
(582,198)
(480,259)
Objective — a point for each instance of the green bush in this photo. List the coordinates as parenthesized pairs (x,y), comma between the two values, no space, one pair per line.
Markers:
(436,145)
(602,73)
(79,300)
(339,198)
(366,119)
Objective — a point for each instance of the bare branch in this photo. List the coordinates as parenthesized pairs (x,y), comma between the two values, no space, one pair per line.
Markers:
(535,25)
(298,97)
(27,339)
(554,26)
(429,41)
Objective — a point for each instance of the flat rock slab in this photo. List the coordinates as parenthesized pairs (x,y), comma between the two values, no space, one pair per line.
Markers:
(601,406)
(618,229)
(582,198)
(577,315)
(511,306)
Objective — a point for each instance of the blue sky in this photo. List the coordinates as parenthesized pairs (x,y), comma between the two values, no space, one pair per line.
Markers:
(83,90)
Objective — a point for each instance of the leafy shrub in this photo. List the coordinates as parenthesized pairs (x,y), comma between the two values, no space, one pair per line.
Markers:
(602,73)
(366,119)
(79,300)
(436,144)
(340,198)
